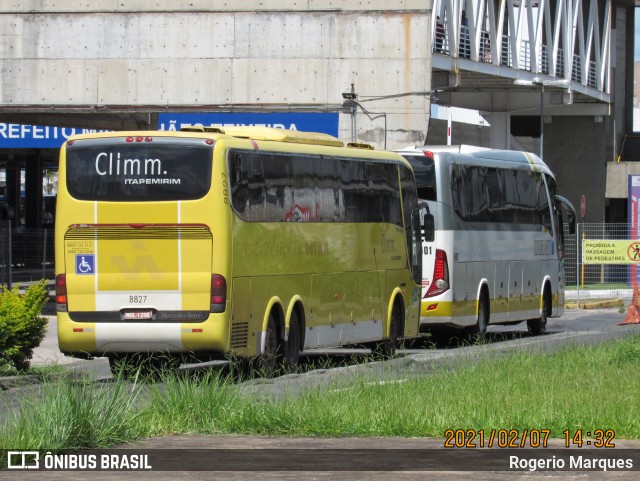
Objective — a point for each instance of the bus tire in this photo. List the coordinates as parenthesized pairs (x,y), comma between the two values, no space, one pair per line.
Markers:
(386,348)
(145,365)
(292,346)
(269,359)
(538,325)
(123,366)
(479,330)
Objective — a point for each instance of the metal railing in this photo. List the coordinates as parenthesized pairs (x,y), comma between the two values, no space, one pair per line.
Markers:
(589,281)
(26,255)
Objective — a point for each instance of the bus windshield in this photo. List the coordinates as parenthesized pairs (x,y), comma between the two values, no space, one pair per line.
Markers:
(425,172)
(154,170)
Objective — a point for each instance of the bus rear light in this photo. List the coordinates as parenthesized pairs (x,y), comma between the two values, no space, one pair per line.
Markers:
(139,139)
(61,292)
(432,307)
(440,275)
(428,153)
(218,293)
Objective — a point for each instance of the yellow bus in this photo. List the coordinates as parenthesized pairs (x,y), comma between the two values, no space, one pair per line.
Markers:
(245,242)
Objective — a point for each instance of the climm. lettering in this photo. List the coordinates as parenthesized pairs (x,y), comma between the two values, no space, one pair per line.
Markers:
(107,164)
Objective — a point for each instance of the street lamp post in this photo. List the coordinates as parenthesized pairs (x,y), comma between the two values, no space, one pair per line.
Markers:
(541,84)
(350,102)
(537,82)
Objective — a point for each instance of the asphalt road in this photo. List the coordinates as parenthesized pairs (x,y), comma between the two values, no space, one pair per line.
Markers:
(579,325)
(345,459)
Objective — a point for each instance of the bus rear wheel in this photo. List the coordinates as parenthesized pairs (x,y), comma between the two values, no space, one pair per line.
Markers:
(386,348)
(120,365)
(538,325)
(271,352)
(292,346)
(153,365)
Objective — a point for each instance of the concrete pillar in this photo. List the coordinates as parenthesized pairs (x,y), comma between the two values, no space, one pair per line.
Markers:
(33,192)
(500,134)
(575,152)
(12,191)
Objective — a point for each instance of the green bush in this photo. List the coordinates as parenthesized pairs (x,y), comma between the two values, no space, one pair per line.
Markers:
(21,326)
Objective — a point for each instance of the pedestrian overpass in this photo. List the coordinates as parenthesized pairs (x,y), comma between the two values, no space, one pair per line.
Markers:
(524,58)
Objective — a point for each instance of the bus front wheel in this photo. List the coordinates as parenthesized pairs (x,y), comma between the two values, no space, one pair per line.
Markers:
(479,330)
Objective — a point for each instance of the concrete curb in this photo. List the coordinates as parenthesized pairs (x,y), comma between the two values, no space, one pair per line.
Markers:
(604,304)
(7,382)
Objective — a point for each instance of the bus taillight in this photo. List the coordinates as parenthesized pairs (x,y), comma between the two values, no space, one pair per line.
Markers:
(440,275)
(218,293)
(138,139)
(61,292)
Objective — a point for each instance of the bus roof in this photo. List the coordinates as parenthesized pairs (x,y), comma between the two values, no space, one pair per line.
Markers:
(282,135)
(270,134)
(460,149)
(481,153)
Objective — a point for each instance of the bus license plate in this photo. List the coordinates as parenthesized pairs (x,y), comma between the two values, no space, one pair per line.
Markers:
(138,315)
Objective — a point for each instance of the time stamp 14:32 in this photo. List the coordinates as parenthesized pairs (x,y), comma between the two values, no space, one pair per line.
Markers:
(529,438)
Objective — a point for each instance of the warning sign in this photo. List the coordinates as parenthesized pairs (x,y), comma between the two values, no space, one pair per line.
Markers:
(611,251)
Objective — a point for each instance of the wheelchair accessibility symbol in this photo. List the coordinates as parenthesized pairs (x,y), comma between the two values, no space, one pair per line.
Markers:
(85,264)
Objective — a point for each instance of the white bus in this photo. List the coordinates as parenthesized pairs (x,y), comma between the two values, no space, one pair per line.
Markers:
(497,256)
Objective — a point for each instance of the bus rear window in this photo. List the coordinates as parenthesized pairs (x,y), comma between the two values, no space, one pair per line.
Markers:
(425,172)
(160,169)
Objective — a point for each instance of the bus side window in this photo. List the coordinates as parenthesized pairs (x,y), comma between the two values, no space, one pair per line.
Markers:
(247,185)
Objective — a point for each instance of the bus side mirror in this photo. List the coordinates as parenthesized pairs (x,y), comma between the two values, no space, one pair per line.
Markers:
(428,227)
(427,222)
(571,212)
(572,223)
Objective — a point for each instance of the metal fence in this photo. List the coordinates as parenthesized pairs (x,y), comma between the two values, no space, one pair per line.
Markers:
(596,281)
(26,255)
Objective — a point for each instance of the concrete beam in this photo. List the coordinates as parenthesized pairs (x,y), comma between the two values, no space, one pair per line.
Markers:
(75,6)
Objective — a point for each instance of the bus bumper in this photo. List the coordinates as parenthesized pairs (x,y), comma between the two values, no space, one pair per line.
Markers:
(98,338)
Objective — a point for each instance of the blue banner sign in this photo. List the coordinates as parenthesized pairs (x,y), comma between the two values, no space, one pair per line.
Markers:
(22,136)
(325,122)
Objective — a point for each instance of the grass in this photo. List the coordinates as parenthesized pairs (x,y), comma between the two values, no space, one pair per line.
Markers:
(589,387)
(73,413)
